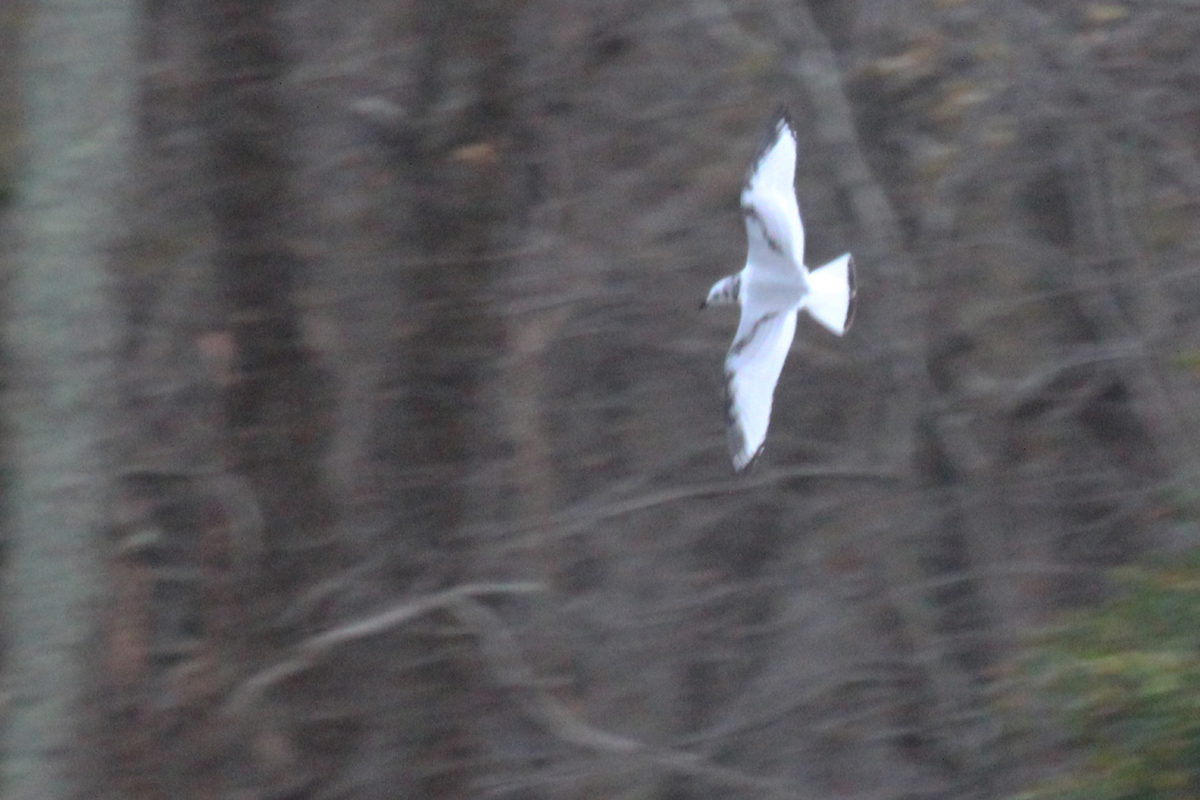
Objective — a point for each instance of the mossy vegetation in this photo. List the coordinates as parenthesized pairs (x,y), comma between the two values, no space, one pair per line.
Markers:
(1125,680)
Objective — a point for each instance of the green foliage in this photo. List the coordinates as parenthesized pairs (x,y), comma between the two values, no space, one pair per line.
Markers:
(1125,679)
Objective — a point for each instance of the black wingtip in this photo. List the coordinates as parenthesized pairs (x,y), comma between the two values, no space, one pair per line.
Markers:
(751,463)
(783,116)
(734,433)
(852,278)
(781,120)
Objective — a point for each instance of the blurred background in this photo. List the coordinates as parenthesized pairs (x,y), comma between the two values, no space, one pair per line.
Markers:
(363,439)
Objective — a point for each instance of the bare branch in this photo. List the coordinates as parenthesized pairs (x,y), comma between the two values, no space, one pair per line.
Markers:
(504,656)
(584,516)
(310,650)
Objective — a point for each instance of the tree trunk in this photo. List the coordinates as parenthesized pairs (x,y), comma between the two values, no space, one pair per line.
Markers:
(275,405)
(79,80)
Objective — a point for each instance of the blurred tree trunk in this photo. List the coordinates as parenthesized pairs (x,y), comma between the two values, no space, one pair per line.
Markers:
(79,78)
(275,402)
(459,209)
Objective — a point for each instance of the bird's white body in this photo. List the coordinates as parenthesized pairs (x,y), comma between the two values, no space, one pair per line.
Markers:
(772,289)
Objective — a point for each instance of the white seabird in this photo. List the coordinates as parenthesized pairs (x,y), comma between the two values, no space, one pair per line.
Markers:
(772,287)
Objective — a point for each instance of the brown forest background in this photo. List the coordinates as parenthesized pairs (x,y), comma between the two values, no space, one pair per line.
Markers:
(405,441)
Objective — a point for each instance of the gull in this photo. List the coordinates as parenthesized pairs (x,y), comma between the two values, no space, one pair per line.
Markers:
(772,289)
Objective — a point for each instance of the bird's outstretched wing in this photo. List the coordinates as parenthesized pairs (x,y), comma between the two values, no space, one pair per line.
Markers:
(752,370)
(773,225)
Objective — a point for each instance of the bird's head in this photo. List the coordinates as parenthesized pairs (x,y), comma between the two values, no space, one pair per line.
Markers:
(724,292)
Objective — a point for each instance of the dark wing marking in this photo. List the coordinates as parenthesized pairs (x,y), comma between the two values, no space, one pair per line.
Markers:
(739,344)
(769,198)
(752,215)
(752,371)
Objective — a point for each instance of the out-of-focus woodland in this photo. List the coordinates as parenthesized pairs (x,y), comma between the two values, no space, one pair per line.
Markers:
(363,440)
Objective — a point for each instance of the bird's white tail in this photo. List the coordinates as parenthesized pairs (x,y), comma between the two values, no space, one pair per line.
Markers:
(830,298)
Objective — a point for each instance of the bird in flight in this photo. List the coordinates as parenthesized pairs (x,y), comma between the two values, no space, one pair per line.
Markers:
(771,289)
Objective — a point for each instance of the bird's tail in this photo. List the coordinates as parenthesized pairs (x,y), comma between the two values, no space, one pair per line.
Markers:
(830,298)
